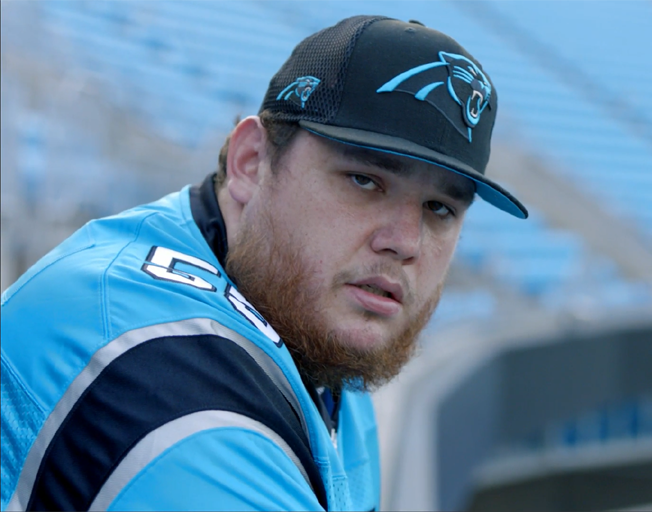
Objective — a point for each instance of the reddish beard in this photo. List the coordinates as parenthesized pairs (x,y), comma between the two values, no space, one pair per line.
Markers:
(274,277)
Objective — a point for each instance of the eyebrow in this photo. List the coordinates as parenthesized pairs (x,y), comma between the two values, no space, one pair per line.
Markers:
(376,159)
(465,195)
(393,165)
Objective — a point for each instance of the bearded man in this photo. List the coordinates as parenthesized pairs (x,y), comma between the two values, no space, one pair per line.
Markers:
(215,349)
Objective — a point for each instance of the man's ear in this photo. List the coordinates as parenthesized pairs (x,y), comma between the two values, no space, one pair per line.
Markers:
(247,151)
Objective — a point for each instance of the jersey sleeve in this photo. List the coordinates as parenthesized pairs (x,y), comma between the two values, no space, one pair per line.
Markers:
(219,469)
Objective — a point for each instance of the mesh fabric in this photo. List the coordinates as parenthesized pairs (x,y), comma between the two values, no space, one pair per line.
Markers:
(21,420)
(324,55)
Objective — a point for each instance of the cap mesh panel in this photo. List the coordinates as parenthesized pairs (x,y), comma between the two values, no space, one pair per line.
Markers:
(325,56)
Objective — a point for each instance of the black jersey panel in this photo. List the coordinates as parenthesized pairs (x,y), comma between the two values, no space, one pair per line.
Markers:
(146,387)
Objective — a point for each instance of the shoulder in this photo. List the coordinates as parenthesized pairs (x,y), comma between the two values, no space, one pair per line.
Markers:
(82,263)
(72,302)
(138,326)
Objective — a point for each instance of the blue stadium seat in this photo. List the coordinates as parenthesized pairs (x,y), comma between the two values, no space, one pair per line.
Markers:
(188,68)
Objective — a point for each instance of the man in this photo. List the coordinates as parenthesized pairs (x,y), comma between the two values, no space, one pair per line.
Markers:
(213,350)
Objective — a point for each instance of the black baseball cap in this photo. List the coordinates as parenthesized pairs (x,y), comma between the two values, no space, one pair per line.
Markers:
(395,87)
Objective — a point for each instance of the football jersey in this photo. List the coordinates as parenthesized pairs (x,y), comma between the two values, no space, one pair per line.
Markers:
(136,376)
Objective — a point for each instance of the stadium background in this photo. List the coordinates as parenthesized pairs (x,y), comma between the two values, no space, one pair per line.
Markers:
(533,388)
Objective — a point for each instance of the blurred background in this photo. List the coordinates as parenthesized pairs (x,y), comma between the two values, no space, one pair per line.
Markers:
(533,388)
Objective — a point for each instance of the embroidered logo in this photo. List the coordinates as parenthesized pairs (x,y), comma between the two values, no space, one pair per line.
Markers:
(464,83)
(300,90)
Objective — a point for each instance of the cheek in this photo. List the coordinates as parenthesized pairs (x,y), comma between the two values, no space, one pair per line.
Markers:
(326,225)
(315,229)
(434,263)
(331,241)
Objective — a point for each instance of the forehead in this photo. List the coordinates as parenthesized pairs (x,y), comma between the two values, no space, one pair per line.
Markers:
(452,184)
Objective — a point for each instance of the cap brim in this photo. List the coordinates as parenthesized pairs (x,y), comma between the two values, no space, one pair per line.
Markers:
(488,190)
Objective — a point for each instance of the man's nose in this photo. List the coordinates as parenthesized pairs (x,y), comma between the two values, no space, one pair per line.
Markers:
(399,233)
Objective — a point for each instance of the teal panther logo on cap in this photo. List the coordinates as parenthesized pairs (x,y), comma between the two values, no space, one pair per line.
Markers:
(300,90)
(465,83)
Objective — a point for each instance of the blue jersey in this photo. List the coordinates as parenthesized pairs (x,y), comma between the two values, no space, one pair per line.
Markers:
(136,376)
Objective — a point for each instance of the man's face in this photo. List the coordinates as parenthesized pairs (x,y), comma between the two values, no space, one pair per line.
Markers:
(356,243)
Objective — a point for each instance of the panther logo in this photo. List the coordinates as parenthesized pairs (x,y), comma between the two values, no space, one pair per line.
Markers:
(300,90)
(466,84)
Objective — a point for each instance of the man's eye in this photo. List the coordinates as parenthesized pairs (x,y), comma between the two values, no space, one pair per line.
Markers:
(364,182)
(438,208)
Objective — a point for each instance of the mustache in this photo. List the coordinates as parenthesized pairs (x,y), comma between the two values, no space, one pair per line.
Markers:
(387,269)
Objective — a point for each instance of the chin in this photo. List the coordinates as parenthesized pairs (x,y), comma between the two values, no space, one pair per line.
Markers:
(362,337)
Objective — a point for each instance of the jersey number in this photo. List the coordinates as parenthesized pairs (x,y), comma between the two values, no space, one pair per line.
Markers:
(242,305)
(161,262)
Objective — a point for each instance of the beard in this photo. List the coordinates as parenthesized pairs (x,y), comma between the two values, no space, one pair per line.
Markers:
(271,272)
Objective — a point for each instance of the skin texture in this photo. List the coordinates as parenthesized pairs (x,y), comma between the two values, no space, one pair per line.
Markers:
(331,218)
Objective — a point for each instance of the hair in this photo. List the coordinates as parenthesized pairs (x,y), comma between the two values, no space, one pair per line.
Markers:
(279,136)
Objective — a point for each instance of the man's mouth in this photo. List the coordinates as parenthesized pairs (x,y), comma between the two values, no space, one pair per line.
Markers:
(375,290)
(377,296)
(381,287)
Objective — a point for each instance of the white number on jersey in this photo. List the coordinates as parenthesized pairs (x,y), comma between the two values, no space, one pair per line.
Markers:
(242,305)
(160,264)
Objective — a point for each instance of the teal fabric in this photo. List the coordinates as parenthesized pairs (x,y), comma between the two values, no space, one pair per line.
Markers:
(220,469)
(92,289)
